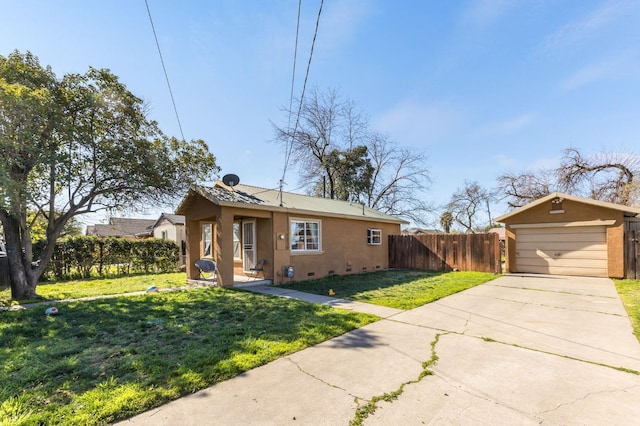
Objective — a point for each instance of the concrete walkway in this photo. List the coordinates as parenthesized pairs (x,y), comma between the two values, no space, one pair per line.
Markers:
(518,350)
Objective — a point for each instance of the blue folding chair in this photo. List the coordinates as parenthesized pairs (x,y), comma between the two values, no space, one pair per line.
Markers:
(206,269)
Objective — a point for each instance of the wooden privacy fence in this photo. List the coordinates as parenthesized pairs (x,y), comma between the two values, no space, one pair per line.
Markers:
(445,252)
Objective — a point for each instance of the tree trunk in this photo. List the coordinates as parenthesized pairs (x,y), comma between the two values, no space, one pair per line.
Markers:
(23,284)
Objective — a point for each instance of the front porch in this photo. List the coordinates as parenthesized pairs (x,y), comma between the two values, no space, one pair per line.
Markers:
(235,240)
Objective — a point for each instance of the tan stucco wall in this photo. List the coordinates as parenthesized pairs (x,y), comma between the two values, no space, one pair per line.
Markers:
(344,248)
(200,211)
(573,212)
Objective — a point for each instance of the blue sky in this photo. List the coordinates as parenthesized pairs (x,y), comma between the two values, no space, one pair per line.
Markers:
(483,87)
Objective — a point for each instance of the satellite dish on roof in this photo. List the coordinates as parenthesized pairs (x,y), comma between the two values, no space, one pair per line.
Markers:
(230,180)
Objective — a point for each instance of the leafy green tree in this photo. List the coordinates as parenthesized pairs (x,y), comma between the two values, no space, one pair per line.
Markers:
(76,145)
(37,224)
(446,221)
(350,172)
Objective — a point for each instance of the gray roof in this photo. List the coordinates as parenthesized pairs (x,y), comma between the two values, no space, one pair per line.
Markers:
(421,231)
(247,196)
(122,227)
(175,219)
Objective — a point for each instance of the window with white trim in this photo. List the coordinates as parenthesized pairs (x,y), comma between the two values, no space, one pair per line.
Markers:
(206,240)
(305,235)
(374,236)
(236,240)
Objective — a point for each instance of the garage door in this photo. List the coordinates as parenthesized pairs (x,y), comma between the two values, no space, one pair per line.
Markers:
(562,250)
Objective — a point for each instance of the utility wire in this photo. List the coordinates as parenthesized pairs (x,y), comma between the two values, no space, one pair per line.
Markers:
(289,144)
(304,88)
(166,76)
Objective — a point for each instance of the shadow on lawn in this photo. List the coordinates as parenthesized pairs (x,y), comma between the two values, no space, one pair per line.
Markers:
(348,286)
(157,347)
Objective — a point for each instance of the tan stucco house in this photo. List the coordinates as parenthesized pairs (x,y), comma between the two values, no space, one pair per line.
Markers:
(299,237)
(568,235)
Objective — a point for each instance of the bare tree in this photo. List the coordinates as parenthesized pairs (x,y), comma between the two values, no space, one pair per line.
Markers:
(329,131)
(467,206)
(605,176)
(400,179)
(324,124)
(521,189)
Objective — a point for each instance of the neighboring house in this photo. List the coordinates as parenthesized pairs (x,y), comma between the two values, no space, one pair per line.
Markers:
(420,231)
(171,227)
(299,237)
(123,227)
(499,231)
(568,235)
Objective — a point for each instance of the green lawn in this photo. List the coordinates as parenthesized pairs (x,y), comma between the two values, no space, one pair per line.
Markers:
(629,291)
(105,360)
(396,289)
(94,287)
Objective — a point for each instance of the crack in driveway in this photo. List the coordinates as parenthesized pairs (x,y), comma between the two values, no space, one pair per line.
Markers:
(324,382)
(587,395)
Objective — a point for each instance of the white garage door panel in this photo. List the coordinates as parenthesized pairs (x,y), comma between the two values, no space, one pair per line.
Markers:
(562,251)
(583,272)
(561,254)
(560,262)
(554,235)
(569,246)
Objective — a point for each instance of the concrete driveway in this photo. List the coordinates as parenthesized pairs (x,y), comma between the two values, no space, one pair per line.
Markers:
(522,349)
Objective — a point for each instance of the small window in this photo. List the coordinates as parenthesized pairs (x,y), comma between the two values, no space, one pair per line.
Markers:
(374,236)
(165,235)
(305,235)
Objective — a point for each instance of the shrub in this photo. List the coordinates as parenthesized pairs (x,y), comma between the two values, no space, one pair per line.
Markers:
(87,256)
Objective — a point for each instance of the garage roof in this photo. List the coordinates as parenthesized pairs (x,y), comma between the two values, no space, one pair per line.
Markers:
(628,211)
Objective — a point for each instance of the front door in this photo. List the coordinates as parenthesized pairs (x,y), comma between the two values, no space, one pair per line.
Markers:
(248,244)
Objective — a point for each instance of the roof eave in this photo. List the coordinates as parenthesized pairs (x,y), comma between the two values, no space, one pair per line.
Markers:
(603,204)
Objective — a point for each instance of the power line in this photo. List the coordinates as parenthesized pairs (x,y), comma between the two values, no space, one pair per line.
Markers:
(295,60)
(304,88)
(164,69)
(289,143)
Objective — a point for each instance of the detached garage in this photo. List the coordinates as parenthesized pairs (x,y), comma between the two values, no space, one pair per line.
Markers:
(566,235)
